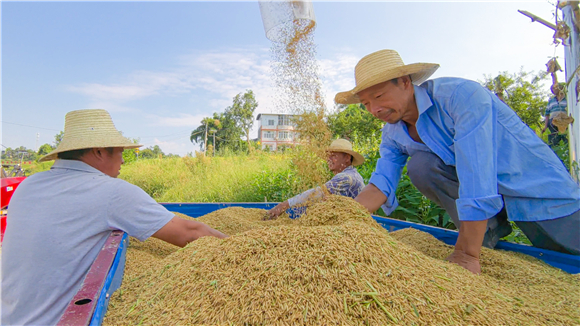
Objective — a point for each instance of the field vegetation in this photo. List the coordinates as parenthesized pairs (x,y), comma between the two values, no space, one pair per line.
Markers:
(240,171)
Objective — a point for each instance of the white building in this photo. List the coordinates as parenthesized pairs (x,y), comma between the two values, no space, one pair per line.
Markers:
(276,130)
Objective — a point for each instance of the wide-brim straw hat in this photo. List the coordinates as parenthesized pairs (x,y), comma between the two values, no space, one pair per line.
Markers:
(89,129)
(344,146)
(382,66)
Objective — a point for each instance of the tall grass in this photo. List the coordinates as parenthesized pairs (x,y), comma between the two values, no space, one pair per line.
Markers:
(257,178)
(207,179)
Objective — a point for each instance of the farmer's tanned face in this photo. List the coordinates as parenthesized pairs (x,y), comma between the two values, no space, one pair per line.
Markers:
(389,101)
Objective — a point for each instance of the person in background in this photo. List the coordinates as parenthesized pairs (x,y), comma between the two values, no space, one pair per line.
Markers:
(59,220)
(346,181)
(556,105)
(469,152)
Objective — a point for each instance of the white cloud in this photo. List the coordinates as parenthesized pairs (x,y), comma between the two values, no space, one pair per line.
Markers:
(112,92)
(111,107)
(180,120)
(221,74)
(212,78)
(179,147)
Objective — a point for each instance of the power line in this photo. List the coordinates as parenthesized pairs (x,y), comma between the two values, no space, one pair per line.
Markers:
(19,124)
(178,133)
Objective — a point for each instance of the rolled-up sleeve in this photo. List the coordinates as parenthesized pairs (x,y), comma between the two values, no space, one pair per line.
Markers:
(475,146)
(388,172)
(306,197)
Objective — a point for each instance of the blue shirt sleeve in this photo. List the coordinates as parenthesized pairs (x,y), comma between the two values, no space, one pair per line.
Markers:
(471,108)
(388,172)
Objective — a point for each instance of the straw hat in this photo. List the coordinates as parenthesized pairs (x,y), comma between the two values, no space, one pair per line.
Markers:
(382,66)
(89,129)
(344,146)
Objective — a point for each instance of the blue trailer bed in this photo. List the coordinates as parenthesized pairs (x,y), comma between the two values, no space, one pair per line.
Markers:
(568,263)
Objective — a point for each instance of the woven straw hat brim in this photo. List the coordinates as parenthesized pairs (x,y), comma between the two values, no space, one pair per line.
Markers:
(65,148)
(419,73)
(379,67)
(89,129)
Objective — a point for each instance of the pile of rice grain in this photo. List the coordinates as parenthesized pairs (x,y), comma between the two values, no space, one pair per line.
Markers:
(232,220)
(536,284)
(351,273)
(334,210)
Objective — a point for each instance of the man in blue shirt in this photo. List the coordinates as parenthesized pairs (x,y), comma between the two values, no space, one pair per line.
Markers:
(342,160)
(469,152)
(556,105)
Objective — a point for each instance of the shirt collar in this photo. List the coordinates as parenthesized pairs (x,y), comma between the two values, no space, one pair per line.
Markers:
(350,167)
(422,99)
(74,165)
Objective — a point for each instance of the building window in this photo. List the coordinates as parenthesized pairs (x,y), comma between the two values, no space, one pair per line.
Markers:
(283,135)
(268,134)
(283,120)
(270,122)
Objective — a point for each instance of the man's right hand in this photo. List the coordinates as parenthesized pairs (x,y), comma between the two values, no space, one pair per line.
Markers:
(466,261)
(468,245)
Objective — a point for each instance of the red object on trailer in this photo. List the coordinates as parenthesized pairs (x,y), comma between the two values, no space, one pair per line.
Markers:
(7,187)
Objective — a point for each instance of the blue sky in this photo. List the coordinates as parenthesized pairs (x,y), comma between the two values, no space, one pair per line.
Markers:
(159,68)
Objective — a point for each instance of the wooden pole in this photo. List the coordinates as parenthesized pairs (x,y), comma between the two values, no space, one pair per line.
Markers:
(205,141)
(538,19)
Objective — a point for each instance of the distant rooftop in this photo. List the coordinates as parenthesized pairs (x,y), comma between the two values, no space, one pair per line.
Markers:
(260,114)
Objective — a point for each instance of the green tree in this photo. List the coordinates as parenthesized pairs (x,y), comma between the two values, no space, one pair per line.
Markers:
(151,152)
(20,153)
(44,149)
(157,151)
(228,131)
(242,112)
(7,153)
(522,92)
(230,134)
(351,120)
(130,154)
(58,138)
(146,153)
(199,134)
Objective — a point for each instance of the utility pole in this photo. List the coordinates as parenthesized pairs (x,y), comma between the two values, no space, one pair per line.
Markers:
(571,17)
(205,141)
(571,44)
(37,135)
(213,132)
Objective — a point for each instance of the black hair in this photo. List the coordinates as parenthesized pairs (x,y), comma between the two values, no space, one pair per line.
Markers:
(78,153)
